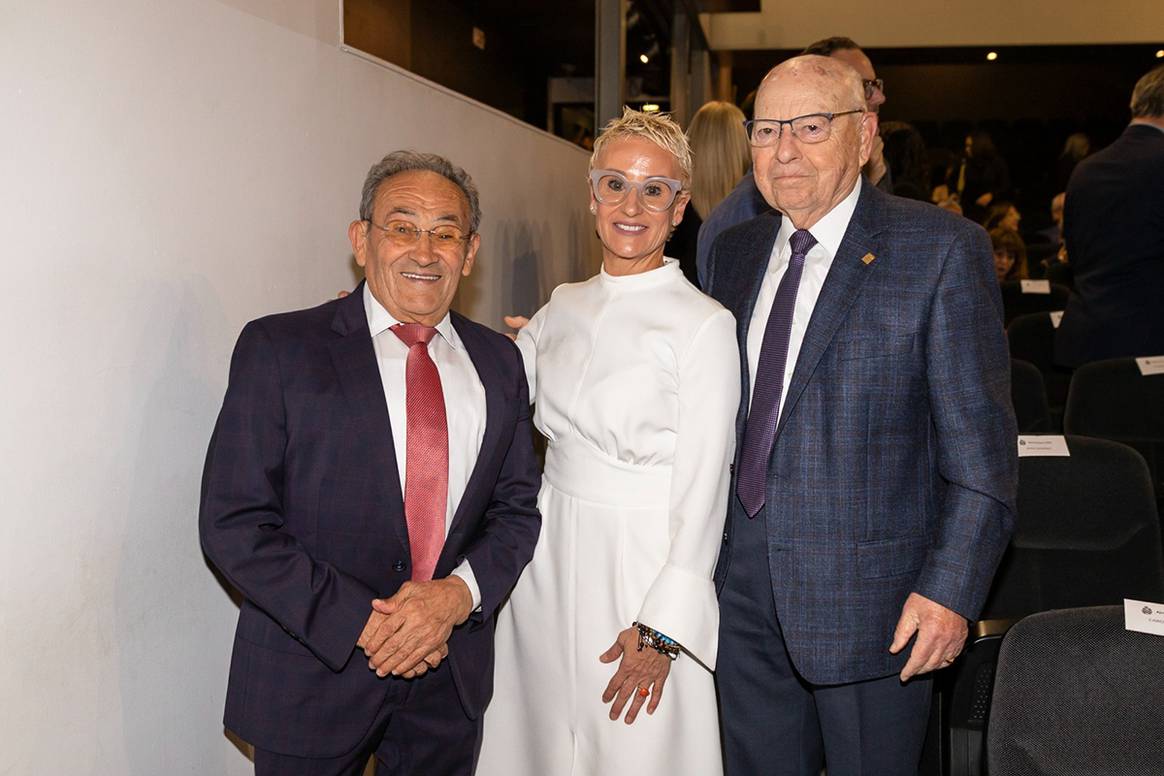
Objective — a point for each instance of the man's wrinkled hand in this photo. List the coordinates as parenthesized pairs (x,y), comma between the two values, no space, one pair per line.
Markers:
(417,623)
(431,660)
(941,633)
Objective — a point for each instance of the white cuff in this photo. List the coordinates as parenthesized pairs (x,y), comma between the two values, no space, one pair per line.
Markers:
(465,572)
(682,606)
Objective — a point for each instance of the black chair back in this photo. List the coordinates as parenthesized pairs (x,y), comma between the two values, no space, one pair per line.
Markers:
(1075,693)
(1029,397)
(1087,533)
(1061,274)
(1016,303)
(1032,338)
(1113,400)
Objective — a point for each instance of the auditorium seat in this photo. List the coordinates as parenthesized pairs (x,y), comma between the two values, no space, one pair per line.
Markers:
(1076,693)
(1032,338)
(1061,274)
(1086,534)
(1113,400)
(1016,303)
(1029,397)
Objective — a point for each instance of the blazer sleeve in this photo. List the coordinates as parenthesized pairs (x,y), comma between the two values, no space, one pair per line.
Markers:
(511,522)
(241,520)
(968,374)
(681,602)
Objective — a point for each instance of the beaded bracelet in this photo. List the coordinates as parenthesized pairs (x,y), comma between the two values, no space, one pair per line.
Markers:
(651,638)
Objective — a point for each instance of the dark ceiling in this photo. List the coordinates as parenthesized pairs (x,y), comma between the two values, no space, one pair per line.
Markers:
(748,67)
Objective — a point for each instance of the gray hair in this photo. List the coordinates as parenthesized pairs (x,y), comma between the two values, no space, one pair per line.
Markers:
(406,161)
(1148,96)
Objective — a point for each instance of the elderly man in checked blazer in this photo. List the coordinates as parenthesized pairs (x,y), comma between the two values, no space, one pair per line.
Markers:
(874,484)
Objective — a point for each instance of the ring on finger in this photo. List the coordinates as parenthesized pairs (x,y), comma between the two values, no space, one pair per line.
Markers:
(643,692)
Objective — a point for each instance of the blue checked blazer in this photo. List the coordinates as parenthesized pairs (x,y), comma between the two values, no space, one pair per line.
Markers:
(302,512)
(894,467)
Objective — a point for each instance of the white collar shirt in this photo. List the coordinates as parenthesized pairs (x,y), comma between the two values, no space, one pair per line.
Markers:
(464,405)
(829,231)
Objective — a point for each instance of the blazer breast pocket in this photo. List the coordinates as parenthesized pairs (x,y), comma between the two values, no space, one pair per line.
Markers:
(875,346)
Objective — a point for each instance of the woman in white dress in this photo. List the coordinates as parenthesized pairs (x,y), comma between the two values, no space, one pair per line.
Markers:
(635,376)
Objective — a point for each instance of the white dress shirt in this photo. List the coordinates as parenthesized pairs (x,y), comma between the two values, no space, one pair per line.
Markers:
(829,232)
(464,406)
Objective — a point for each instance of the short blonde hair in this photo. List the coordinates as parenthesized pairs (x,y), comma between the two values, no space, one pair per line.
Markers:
(722,154)
(659,128)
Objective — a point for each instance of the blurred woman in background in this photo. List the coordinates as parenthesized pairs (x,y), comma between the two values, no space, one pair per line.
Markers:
(1010,254)
(721,155)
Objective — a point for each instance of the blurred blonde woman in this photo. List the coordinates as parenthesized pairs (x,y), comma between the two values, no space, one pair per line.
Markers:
(721,155)
(635,376)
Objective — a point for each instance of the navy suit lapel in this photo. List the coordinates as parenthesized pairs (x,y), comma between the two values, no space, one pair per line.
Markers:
(354,359)
(842,286)
(483,359)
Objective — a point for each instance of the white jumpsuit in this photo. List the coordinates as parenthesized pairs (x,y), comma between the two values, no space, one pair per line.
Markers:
(636,382)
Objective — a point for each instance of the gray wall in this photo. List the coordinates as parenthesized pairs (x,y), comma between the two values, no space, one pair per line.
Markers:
(169,170)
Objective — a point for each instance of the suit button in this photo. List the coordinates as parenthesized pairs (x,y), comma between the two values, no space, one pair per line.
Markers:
(725,536)
(398,566)
(731,468)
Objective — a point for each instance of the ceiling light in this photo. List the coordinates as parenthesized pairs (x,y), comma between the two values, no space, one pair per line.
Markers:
(650,107)
(991,56)
(1160,54)
(644,58)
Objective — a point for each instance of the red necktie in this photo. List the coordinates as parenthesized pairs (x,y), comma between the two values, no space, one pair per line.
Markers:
(426,480)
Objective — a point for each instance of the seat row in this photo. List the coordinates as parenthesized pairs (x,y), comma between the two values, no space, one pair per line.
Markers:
(1087,534)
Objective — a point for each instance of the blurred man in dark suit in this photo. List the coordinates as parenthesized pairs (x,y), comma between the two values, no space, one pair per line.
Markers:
(1113,227)
(371,491)
(874,487)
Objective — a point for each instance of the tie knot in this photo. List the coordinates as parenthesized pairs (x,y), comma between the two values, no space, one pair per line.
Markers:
(412,333)
(801,242)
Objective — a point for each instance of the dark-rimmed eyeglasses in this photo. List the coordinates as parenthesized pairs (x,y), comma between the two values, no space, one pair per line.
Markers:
(406,233)
(656,193)
(809,128)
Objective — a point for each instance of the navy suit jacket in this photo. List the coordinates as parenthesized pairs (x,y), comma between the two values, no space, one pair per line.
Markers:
(302,512)
(895,463)
(1113,224)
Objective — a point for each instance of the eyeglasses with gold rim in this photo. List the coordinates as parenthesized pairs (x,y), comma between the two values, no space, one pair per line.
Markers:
(405,233)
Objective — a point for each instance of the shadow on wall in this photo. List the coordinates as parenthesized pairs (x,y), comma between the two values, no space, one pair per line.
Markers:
(171,634)
(585,250)
(526,268)
(523,289)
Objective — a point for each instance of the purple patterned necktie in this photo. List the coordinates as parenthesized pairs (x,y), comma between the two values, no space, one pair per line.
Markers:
(760,432)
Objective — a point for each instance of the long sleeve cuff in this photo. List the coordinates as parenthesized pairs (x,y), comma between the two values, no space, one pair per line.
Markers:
(682,606)
(465,572)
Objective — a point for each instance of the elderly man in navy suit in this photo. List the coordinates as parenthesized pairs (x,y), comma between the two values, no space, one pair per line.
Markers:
(875,481)
(371,490)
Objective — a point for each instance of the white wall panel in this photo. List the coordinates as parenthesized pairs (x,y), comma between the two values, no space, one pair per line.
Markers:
(168,171)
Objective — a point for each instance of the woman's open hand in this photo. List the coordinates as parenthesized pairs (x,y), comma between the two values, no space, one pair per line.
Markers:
(638,671)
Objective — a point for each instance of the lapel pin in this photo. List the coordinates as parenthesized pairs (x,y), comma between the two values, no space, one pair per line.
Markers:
(868,258)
